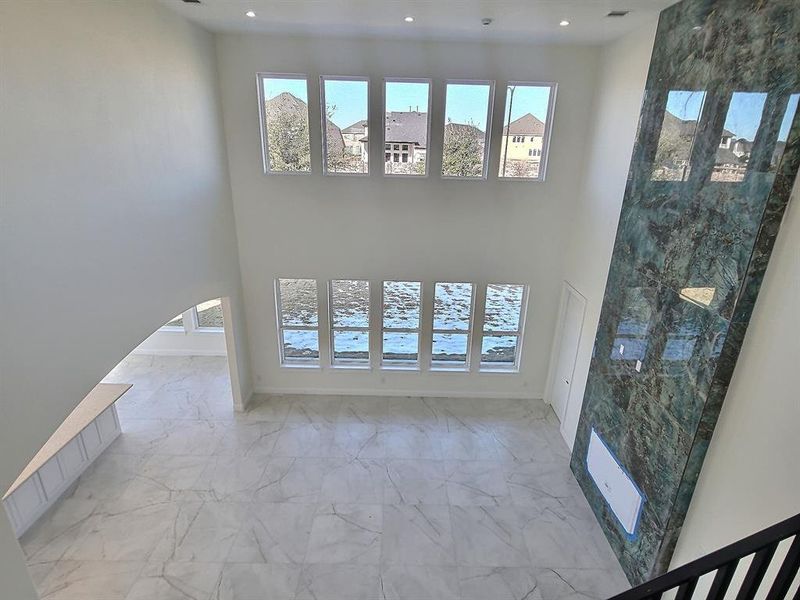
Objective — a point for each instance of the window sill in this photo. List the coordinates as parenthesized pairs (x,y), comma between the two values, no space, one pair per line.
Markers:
(410,368)
(346,367)
(448,369)
(501,370)
(297,365)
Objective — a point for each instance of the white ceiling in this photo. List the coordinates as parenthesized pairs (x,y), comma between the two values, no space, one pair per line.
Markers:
(531,21)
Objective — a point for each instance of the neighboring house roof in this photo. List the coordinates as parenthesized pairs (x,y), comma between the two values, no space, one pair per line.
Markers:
(526,125)
(453,128)
(407,128)
(357,127)
(289,103)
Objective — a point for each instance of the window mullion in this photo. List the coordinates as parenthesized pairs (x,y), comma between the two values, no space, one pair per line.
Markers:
(476,340)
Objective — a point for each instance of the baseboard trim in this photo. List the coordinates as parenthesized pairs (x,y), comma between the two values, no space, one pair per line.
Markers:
(179,352)
(389,393)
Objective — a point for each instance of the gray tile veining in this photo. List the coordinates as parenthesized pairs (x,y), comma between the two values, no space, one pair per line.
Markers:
(315,498)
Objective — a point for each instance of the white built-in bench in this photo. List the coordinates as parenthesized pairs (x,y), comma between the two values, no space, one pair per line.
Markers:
(81,438)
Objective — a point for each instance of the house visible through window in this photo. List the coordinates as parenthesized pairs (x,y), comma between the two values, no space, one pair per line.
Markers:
(467,117)
(406,126)
(401,311)
(285,133)
(298,320)
(346,132)
(452,324)
(502,326)
(349,308)
(526,129)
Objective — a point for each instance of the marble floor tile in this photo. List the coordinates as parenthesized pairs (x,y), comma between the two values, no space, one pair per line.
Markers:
(139,435)
(176,581)
(460,443)
(339,582)
(268,408)
(107,477)
(417,534)
(230,478)
(320,497)
(305,440)
(194,438)
(274,533)
(357,440)
(253,439)
(414,482)
(56,531)
(490,536)
(118,532)
(260,581)
(164,478)
(346,533)
(410,441)
(208,536)
(90,580)
(533,482)
(476,483)
(580,584)
(403,582)
(354,481)
(314,409)
(499,583)
(291,480)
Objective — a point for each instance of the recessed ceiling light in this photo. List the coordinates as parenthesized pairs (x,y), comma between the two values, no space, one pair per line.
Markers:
(409,19)
(250,14)
(564,23)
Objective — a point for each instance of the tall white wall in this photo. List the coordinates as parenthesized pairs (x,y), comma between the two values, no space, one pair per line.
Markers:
(391,228)
(751,476)
(593,226)
(116,211)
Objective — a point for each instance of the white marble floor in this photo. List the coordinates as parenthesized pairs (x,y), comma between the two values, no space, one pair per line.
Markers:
(320,498)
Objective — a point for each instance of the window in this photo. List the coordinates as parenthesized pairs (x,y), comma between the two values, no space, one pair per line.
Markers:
(467,116)
(349,307)
(502,326)
(406,125)
(284,110)
(452,322)
(345,148)
(401,308)
(298,322)
(528,115)
(177,322)
(209,314)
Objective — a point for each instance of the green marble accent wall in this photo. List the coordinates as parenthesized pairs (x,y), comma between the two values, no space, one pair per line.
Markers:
(716,154)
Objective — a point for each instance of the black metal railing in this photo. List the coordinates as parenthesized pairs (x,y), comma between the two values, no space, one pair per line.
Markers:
(761,546)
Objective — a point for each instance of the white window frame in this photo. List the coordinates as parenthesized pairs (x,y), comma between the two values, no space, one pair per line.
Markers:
(296,362)
(548,128)
(519,333)
(196,321)
(353,363)
(262,119)
(402,364)
(442,365)
(486,134)
(427,135)
(323,124)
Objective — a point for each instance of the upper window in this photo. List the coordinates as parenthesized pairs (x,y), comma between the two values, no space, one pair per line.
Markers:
(345,135)
(452,323)
(526,127)
(177,322)
(502,325)
(284,99)
(298,321)
(349,307)
(209,314)
(406,126)
(401,308)
(467,117)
